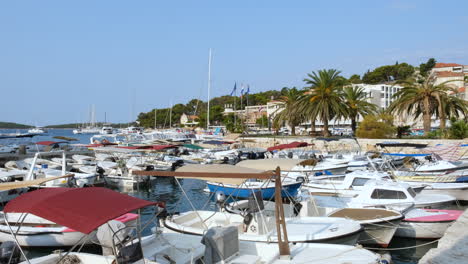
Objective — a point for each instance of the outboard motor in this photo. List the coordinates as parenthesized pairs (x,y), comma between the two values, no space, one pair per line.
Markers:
(220,198)
(149,168)
(9,253)
(177,164)
(100,171)
(225,160)
(290,155)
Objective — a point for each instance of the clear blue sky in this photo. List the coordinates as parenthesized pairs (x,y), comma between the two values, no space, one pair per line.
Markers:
(59,57)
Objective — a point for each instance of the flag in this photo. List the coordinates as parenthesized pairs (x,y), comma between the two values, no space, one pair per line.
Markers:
(248,90)
(234,89)
(242,91)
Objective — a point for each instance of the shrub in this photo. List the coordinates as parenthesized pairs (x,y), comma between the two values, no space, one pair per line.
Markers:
(458,130)
(376,127)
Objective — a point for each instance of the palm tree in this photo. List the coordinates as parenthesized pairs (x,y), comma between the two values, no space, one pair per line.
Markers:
(356,103)
(290,112)
(324,100)
(420,96)
(449,105)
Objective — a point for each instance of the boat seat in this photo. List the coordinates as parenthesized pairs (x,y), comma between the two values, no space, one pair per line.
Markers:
(246,259)
(239,225)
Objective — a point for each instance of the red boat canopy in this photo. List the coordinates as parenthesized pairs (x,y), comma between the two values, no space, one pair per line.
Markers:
(150,147)
(82,209)
(294,144)
(48,143)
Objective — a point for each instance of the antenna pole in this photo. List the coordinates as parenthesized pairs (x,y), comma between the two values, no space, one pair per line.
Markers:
(209,88)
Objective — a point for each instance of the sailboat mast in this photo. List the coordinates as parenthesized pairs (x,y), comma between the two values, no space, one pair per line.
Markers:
(209,88)
(170,116)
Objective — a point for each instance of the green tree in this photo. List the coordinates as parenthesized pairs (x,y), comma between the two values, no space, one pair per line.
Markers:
(355,79)
(399,71)
(425,68)
(324,100)
(291,111)
(355,99)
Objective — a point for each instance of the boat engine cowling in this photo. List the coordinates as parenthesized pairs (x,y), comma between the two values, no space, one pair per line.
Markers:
(9,250)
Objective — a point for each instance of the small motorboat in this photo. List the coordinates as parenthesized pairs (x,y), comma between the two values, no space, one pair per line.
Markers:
(379,224)
(262,228)
(35,231)
(427,223)
(394,195)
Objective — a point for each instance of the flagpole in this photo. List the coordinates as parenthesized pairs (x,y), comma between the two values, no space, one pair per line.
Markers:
(209,88)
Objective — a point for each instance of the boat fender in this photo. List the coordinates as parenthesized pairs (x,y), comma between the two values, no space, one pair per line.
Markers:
(297,208)
(247,220)
(385,259)
(9,253)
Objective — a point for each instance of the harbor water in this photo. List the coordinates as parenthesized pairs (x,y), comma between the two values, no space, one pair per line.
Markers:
(188,194)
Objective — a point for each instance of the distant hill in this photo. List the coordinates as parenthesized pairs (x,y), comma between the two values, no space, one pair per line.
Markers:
(77,125)
(13,125)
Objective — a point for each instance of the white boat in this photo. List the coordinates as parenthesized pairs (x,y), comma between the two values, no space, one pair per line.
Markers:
(294,165)
(457,190)
(107,131)
(13,175)
(37,130)
(427,223)
(394,195)
(262,228)
(348,184)
(379,224)
(79,179)
(35,231)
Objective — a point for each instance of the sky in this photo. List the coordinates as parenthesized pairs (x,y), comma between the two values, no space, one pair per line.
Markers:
(57,58)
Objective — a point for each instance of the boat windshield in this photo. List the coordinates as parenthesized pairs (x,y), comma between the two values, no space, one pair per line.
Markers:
(411,192)
(387,194)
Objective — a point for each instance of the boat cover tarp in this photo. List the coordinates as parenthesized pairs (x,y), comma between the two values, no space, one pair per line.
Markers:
(82,209)
(192,146)
(217,142)
(397,144)
(451,152)
(218,168)
(294,144)
(270,164)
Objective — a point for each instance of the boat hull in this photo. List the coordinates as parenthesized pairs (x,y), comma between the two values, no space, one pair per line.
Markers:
(268,193)
(422,230)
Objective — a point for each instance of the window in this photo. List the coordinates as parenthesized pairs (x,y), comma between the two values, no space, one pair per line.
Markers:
(382,88)
(387,194)
(359,181)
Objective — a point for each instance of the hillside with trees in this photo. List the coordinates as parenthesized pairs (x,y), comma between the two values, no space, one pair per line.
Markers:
(11,125)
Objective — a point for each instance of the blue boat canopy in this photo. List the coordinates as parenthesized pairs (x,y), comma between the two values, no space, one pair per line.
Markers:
(405,155)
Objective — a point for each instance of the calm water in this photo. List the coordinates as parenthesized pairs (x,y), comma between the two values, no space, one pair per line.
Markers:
(168,190)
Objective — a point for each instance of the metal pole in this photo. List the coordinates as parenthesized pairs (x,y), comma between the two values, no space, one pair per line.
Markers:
(209,88)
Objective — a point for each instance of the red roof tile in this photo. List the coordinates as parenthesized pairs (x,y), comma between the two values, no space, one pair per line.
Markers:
(443,65)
